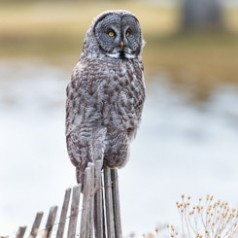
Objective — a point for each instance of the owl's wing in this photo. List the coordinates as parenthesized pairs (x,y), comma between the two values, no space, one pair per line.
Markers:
(138,90)
(84,137)
(76,133)
(139,96)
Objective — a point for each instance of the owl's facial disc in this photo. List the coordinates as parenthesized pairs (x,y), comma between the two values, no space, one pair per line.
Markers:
(119,36)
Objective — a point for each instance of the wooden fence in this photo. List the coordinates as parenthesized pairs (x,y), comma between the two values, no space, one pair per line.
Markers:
(98,209)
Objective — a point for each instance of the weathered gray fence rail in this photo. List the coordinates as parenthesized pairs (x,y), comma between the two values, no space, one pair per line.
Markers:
(98,210)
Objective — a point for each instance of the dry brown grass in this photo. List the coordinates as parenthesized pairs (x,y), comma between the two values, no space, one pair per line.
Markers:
(206,218)
(231,19)
(197,63)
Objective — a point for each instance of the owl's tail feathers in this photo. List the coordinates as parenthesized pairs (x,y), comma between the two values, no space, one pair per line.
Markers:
(99,145)
(82,152)
(80,176)
(96,155)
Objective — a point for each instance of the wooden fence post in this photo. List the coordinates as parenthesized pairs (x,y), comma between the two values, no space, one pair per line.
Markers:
(91,201)
(21,232)
(74,212)
(98,202)
(109,203)
(36,225)
(116,203)
(62,221)
(50,222)
(85,217)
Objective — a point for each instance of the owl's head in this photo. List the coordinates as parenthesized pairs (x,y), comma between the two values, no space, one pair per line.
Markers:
(117,34)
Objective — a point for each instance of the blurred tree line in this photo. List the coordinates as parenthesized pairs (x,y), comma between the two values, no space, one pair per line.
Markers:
(196,14)
(201,15)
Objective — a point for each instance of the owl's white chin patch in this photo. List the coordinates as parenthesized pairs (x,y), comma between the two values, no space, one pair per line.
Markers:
(117,55)
(114,55)
(129,56)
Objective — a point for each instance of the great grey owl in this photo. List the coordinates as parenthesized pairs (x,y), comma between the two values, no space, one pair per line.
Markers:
(106,93)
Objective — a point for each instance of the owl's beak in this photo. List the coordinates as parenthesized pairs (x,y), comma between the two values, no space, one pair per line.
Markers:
(122,45)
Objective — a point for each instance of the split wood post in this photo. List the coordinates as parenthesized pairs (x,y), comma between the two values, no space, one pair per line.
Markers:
(63,215)
(85,217)
(109,203)
(36,225)
(98,202)
(21,232)
(103,207)
(50,222)
(74,212)
(91,201)
(116,203)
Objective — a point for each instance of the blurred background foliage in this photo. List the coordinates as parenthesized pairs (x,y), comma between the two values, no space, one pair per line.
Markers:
(197,56)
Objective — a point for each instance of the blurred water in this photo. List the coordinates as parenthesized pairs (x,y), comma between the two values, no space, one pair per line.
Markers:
(180,149)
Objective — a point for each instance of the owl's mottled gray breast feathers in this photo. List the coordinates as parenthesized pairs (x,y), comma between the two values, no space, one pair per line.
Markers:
(106,93)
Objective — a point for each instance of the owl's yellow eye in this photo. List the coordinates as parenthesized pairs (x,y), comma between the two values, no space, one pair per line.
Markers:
(111,33)
(128,33)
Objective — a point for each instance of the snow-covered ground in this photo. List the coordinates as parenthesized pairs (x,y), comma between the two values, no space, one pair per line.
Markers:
(179,149)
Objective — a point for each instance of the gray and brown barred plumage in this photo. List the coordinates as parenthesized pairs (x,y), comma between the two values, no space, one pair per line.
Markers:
(106,93)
